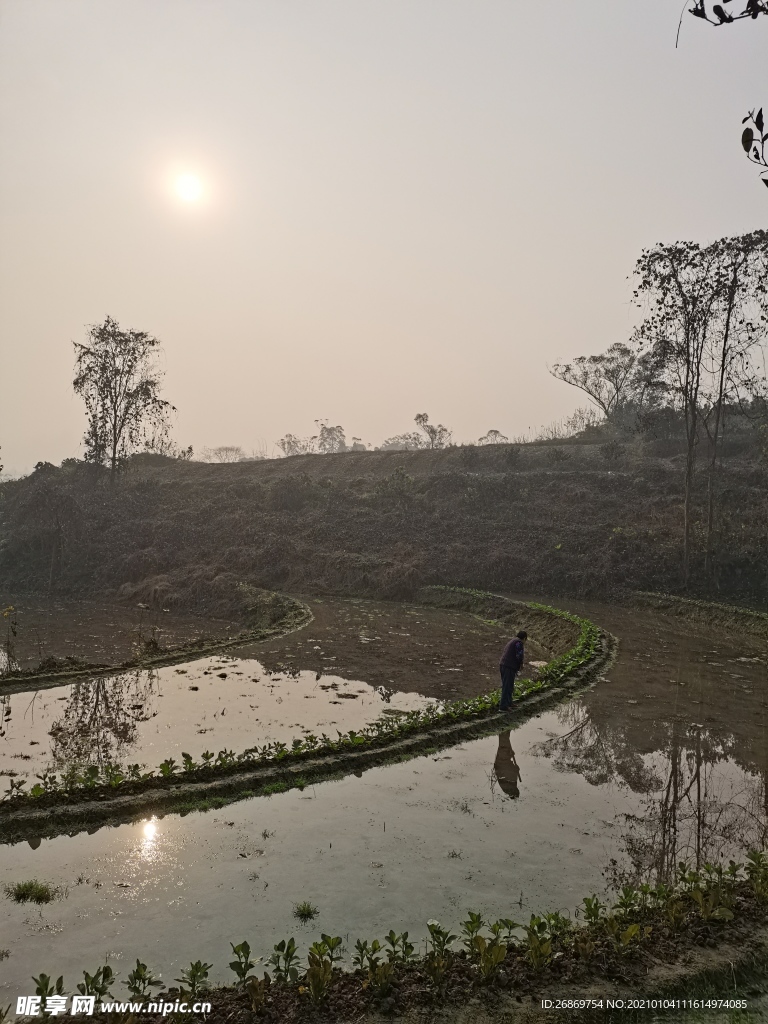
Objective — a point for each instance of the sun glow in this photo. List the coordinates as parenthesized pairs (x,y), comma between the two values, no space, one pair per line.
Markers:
(189,188)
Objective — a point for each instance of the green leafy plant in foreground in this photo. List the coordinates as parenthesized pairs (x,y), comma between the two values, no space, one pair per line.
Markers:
(45,988)
(195,977)
(539,942)
(622,931)
(400,949)
(318,976)
(97,984)
(284,960)
(141,980)
(243,965)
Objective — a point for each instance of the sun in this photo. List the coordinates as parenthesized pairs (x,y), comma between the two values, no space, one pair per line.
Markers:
(189,188)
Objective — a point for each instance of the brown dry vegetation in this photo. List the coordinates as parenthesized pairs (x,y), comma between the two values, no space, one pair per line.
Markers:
(557,518)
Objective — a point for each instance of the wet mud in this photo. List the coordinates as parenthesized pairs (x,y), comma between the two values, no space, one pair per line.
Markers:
(99,632)
(434,652)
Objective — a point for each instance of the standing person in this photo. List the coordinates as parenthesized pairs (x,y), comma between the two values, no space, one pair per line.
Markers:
(510,664)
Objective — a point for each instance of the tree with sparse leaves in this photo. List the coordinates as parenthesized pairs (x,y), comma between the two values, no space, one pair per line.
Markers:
(493,437)
(117,376)
(706,313)
(437,436)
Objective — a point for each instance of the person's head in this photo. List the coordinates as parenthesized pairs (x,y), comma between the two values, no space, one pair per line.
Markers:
(522,635)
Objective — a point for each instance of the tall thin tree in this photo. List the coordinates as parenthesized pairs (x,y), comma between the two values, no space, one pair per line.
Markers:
(117,376)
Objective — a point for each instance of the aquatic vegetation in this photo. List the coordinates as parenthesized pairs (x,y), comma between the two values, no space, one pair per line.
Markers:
(33,891)
(305,911)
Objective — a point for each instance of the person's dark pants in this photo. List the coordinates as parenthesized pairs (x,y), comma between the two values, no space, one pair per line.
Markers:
(507,686)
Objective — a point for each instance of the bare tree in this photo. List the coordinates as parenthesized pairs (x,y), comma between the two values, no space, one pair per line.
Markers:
(404,442)
(681,288)
(607,379)
(437,436)
(293,445)
(117,377)
(224,453)
(742,270)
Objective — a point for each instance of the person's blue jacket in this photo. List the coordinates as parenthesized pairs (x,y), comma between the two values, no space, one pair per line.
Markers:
(513,655)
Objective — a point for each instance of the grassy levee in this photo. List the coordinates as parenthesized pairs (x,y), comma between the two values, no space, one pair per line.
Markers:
(81,798)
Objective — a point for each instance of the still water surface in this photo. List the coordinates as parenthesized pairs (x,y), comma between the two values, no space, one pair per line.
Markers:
(665,759)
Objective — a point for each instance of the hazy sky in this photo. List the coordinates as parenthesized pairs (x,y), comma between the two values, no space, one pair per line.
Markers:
(408,205)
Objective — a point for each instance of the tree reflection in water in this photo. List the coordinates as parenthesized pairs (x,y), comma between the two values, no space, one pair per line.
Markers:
(702,790)
(100,719)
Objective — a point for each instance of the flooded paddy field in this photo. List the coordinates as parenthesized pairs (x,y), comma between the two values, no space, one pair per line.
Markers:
(145,716)
(285,687)
(665,759)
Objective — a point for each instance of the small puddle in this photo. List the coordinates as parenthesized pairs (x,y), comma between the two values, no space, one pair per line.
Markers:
(211,704)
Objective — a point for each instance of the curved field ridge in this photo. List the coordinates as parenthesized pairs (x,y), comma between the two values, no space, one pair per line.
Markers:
(271,614)
(94,793)
(707,613)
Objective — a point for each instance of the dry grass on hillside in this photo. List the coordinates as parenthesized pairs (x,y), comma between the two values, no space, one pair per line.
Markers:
(569,518)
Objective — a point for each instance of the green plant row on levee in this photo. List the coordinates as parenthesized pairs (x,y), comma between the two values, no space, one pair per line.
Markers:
(111,777)
(502,954)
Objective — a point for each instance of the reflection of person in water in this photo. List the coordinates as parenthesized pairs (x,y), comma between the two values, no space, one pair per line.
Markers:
(505,767)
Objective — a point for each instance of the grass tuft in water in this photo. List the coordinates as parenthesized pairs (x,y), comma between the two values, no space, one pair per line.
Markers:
(32,891)
(305,911)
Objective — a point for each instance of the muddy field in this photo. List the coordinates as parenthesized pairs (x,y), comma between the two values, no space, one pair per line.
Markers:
(408,648)
(102,633)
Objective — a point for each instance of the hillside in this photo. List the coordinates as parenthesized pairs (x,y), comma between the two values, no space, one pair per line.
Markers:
(567,518)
